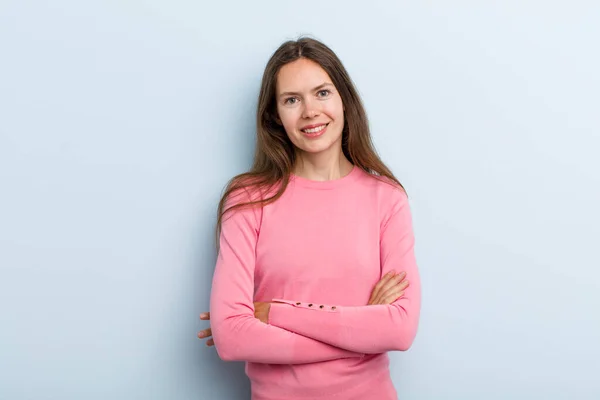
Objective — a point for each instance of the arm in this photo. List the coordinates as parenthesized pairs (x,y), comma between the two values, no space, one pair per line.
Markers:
(238,335)
(373,328)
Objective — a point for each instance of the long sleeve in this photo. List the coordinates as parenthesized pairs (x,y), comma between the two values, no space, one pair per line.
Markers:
(238,335)
(366,329)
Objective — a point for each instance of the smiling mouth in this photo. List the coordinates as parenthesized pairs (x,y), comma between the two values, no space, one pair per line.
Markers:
(315,130)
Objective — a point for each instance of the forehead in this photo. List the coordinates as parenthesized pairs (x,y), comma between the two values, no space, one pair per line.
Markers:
(301,75)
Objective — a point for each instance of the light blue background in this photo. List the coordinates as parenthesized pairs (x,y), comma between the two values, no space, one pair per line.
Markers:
(121,121)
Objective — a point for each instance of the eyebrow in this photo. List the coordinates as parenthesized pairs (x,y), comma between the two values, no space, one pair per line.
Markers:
(321,86)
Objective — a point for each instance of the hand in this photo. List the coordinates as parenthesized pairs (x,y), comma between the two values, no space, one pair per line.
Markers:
(206,333)
(389,289)
(261,311)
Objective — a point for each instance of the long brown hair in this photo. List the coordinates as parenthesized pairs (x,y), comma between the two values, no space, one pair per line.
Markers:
(275,155)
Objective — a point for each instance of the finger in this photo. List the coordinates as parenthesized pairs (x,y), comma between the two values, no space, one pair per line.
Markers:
(400,287)
(381,287)
(404,284)
(395,294)
(205,316)
(210,342)
(393,297)
(390,280)
(391,283)
(205,333)
(377,289)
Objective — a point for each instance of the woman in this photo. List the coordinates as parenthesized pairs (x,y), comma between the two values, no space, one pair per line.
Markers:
(315,243)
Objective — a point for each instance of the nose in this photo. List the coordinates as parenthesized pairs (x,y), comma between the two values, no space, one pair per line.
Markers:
(311,109)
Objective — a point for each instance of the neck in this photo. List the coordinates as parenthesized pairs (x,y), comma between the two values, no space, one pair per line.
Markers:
(322,167)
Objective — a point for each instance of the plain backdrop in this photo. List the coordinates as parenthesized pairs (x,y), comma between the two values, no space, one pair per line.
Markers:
(121,122)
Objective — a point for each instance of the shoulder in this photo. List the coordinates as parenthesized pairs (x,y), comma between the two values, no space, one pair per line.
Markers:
(387,191)
(386,196)
(241,201)
(245,197)
(243,189)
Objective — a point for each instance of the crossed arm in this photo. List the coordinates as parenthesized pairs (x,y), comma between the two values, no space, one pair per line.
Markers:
(391,287)
(295,334)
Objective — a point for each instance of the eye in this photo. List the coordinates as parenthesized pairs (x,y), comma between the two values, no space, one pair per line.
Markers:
(291,100)
(323,93)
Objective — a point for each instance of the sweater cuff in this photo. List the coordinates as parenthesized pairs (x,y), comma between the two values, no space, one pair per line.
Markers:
(285,310)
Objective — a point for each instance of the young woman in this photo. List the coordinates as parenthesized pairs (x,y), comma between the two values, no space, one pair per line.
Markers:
(315,243)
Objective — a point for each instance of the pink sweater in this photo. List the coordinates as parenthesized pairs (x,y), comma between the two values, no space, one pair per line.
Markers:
(319,250)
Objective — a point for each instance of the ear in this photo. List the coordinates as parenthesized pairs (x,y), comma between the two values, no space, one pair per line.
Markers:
(276,119)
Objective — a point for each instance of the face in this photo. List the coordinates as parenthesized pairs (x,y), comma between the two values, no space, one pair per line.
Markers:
(309,107)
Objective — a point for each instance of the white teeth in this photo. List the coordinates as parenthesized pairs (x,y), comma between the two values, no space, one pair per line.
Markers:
(314,130)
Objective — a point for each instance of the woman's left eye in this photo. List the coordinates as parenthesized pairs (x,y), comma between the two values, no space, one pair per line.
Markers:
(323,92)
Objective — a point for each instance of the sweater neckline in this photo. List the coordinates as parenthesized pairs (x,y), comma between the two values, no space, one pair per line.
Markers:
(330,184)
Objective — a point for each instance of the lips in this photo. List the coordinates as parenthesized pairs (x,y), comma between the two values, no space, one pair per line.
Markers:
(313,129)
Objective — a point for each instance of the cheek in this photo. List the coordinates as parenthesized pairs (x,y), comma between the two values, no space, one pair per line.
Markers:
(289,120)
(335,110)
(337,114)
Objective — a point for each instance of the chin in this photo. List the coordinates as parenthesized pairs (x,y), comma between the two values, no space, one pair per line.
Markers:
(320,144)
(318,147)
